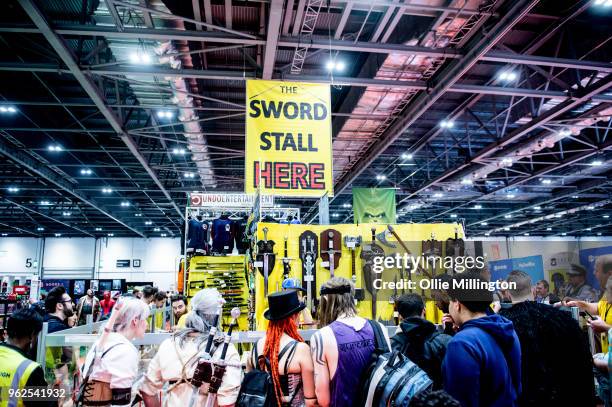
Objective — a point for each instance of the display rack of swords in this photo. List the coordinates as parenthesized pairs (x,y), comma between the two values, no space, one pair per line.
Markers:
(327,245)
(224,275)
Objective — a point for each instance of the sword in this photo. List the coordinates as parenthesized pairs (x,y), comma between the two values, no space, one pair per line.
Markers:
(265,265)
(220,365)
(331,252)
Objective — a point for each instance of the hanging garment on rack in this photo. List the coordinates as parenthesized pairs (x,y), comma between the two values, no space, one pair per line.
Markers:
(223,235)
(242,241)
(197,237)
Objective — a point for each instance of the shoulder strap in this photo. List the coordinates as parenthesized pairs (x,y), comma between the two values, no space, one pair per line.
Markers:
(379,337)
(293,346)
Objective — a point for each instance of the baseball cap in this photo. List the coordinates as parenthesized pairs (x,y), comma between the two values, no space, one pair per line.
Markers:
(292,284)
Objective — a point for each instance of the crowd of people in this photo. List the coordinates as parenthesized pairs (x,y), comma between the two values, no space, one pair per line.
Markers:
(525,351)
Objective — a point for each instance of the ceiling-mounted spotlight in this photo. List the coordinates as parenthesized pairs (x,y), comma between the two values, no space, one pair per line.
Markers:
(447,124)
(107,190)
(406,156)
(7,109)
(165,114)
(335,65)
(55,148)
(381,177)
(597,163)
(477,206)
(140,58)
(508,76)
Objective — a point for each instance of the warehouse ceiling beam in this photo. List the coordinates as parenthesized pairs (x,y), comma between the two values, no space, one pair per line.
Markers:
(581,97)
(275,12)
(6,225)
(530,177)
(343,81)
(445,79)
(44,215)
(39,169)
(90,88)
(337,45)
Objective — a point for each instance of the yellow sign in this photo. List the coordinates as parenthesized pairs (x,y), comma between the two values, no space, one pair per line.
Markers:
(288,138)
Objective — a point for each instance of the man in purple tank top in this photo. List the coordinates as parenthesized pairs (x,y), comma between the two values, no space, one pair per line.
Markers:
(341,350)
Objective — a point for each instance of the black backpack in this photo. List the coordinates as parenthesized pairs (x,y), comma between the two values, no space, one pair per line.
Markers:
(390,378)
(257,389)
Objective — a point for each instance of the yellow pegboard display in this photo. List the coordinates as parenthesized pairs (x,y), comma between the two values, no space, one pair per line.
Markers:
(411,234)
(226,274)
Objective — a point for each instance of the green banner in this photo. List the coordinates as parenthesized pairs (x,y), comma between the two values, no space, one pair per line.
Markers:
(374,205)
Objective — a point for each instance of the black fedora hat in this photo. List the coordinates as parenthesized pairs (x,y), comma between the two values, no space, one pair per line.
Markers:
(282,304)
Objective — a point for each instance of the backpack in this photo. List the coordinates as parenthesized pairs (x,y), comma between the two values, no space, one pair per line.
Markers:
(390,379)
(257,389)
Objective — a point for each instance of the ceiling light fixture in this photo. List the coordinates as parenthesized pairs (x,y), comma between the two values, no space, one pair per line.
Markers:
(86,171)
(58,234)
(165,114)
(381,177)
(546,181)
(7,109)
(597,163)
(66,213)
(406,156)
(98,229)
(125,204)
(189,175)
(140,58)
(333,65)
(477,206)
(110,234)
(447,124)
(107,190)
(507,216)
(508,76)
(156,230)
(148,222)
(13,189)
(55,148)
(484,223)
(438,195)
(40,228)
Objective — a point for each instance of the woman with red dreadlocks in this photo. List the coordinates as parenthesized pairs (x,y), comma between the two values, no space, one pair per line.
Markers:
(291,365)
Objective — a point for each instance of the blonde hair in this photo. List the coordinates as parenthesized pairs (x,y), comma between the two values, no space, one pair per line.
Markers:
(334,305)
(132,309)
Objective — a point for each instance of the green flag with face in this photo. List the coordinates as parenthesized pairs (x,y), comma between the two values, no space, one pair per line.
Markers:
(374,205)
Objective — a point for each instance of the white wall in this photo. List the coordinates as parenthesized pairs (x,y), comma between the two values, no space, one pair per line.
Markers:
(14,253)
(74,258)
(69,256)
(158,256)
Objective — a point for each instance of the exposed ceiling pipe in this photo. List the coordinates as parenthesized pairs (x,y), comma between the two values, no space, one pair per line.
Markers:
(197,142)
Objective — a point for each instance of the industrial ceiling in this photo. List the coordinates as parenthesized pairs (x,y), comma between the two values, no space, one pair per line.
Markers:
(492,112)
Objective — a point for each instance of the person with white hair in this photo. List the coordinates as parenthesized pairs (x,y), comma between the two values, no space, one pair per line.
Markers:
(177,358)
(111,366)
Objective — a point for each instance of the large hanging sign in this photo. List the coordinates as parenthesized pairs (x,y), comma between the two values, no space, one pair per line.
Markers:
(374,205)
(227,200)
(288,138)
